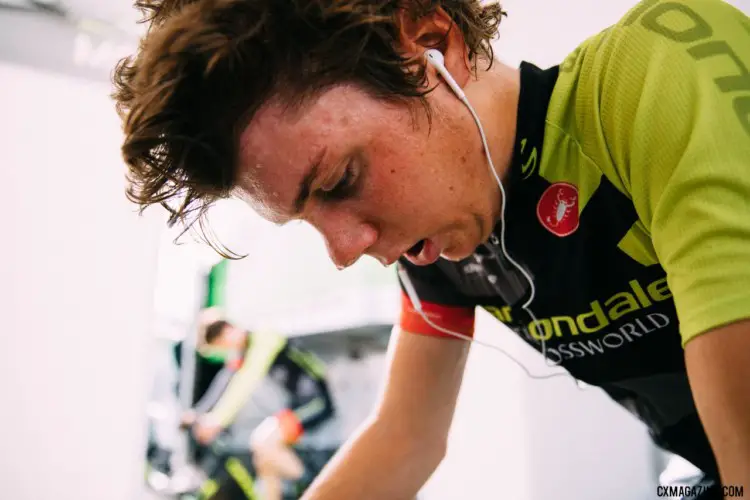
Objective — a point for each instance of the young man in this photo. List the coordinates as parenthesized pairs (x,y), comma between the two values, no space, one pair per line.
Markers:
(264,374)
(618,242)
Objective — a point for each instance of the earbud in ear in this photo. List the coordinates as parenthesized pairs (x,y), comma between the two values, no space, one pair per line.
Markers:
(436,59)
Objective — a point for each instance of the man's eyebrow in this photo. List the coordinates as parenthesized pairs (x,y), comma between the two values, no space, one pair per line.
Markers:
(304,186)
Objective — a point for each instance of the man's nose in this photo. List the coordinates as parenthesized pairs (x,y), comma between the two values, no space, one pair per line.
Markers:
(347,237)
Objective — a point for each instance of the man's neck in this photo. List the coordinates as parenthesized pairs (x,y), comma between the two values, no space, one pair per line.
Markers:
(494,94)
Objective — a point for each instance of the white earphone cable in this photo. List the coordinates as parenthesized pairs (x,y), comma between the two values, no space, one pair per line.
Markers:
(435,58)
(418,307)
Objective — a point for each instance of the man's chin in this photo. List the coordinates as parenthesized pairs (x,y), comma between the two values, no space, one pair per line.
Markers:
(461,247)
(456,254)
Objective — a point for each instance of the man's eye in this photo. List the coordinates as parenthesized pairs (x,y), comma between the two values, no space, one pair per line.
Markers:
(345,187)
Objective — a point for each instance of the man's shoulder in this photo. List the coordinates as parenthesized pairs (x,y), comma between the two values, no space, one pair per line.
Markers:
(654,26)
(651,80)
(265,342)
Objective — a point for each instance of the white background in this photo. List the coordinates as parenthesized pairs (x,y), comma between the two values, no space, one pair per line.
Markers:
(77,269)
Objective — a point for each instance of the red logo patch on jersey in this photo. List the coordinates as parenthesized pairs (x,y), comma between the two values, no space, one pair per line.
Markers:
(557,209)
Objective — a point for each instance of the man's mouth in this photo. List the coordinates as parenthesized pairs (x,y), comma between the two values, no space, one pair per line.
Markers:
(424,252)
(416,249)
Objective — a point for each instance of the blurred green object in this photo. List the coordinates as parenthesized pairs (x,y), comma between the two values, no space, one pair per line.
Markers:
(216,287)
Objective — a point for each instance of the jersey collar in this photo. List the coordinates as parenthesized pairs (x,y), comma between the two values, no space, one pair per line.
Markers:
(535,94)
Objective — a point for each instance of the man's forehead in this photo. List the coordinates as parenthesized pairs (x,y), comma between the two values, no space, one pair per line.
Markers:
(328,107)
(281,143)
(279,132)
(283,138)
(274,154)
(269,121)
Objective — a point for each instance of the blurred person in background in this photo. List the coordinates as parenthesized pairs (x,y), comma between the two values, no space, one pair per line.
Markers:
(609,194)
(165,406)
(270,395)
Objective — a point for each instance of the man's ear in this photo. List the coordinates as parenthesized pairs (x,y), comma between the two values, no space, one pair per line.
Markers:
(435,30)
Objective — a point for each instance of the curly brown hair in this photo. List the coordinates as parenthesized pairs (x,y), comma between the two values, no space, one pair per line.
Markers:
(205,67)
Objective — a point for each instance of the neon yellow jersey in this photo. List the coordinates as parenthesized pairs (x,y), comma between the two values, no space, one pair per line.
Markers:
(662,109)
(628,203)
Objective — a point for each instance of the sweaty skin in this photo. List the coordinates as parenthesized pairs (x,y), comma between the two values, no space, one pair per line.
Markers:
(376,162)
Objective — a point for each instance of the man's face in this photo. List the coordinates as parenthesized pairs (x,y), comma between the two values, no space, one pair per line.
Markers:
(372,177)
(230,339)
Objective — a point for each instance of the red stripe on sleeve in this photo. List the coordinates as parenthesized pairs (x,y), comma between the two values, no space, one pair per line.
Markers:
(455,318)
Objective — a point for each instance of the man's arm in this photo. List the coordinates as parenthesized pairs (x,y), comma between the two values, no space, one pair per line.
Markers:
(396,451)
(718,364)
(212,396)
(196,415)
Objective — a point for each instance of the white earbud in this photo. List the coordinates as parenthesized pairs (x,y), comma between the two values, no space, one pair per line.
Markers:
(437,61)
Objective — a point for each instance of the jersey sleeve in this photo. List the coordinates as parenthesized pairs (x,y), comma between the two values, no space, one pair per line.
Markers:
(311,400)
(444,308)
(674,100)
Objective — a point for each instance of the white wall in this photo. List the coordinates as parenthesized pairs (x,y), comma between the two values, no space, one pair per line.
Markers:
(77,268)
(289,283)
